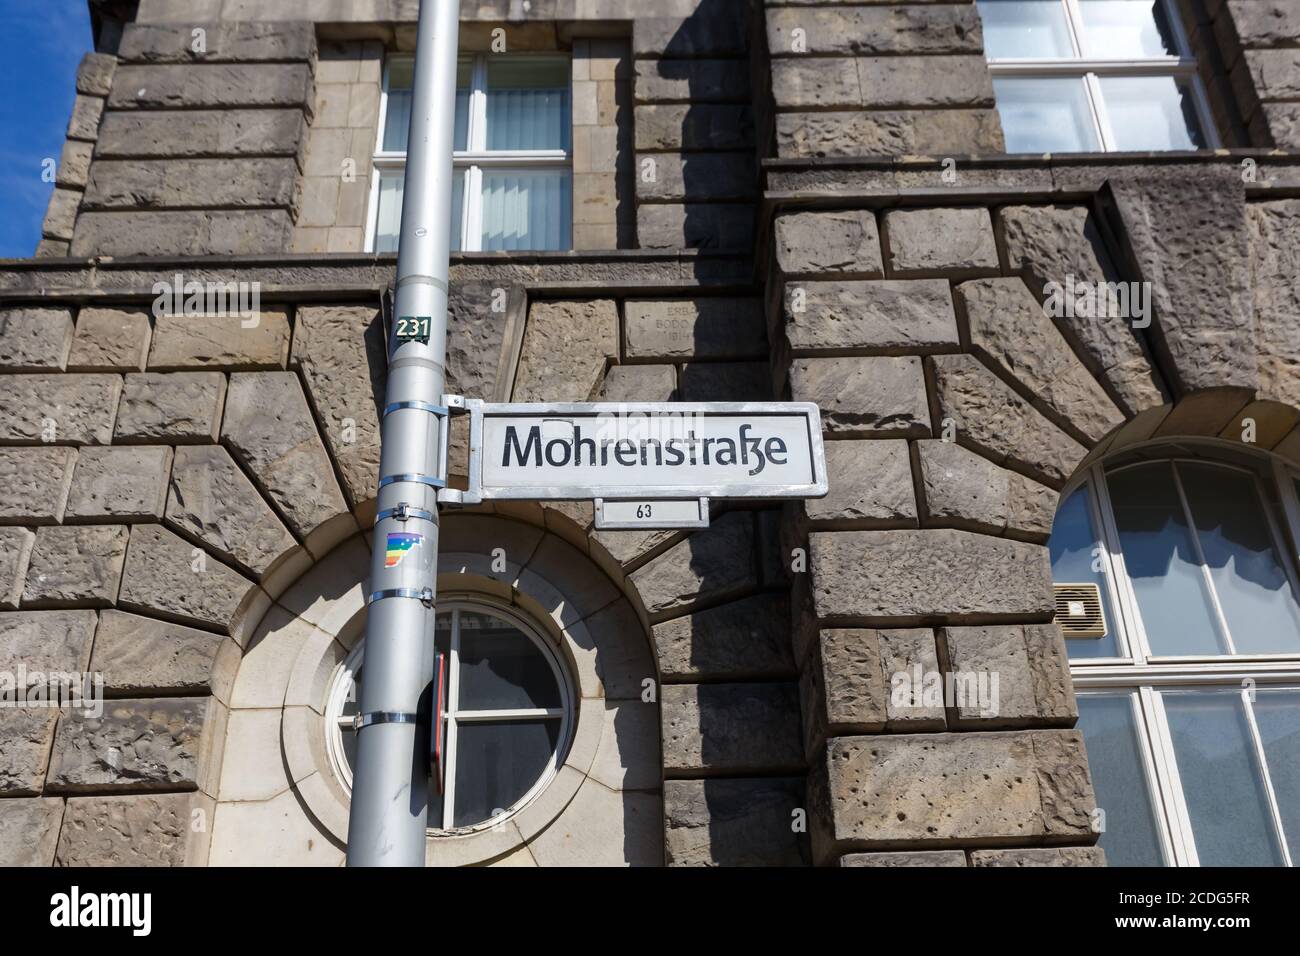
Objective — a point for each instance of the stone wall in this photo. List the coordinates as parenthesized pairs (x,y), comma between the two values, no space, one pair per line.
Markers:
(1259,43)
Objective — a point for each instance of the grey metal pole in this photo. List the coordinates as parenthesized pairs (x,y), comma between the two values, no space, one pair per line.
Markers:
(390,782)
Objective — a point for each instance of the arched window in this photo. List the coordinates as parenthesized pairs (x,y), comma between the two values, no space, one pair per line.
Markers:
(508,711)
(1178,592)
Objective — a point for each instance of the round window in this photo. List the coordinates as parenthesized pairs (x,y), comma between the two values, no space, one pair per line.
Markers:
(507,710)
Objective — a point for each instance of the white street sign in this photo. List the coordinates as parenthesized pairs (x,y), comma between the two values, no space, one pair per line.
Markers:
(647,451)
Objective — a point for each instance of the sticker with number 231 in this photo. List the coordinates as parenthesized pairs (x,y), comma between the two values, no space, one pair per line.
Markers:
(413,328)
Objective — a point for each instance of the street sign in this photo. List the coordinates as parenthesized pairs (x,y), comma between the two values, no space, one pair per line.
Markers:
(648,451)
(631,513)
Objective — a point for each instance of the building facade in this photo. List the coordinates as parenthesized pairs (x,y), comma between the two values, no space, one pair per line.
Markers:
(1037,261)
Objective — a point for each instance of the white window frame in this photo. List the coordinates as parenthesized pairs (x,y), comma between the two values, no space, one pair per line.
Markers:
(1142,675)
(472,160)
(343,686)
(1182,66)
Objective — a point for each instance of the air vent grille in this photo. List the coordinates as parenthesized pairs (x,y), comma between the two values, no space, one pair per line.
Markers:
(1078,610)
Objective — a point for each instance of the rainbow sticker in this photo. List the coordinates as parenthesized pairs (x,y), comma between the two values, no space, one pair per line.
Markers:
(399,545)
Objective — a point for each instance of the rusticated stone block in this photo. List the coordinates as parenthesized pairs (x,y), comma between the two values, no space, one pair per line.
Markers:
(1065,785)
(478,333)
(141,656)
(908,656)
(177,407)
(1050,244)
(870,486)
(174,183)
(733,822)
(890,316)
(639,383)
(210,499)
(821,83)
(697,35)
(25,735)
(200,85)
(731,727)
(695,176)
(993,420)
(1044,856)
(147,744)
(224,42)
(86,113)
(29,831)
(269,428)
(45,642)
(829,244)
(955,788)
(874,29)
(1002,316)
(1274,241)
(126,483)
(1262,25)
(690,81)
(168,576)
(965,490)
(1009,675)
(110,340)
(695,225)
(33,339)
(888,133)
(226,132)
(692,126)
(923,574)
(340,350)
(61,214)
(142,829)
(712,563)
(228,341)
(861,397)
(726,382)
(947,242)
(747,639)
(550,369)
(15,551)
(75,565)
(843,688)
(906,858)
(95,74)
(34,484)
(694,328)
(931,82)
(74,165)
(199,232)
(58,409)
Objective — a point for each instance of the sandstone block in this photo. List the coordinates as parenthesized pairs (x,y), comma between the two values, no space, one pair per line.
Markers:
(142,656)
(906,858)
(196,232)
(720,328)
(59,409)
(889,133)
(697,176)
(829,244)
(889,316)
(939,28)
(550,369)
(29,831)
(228,341)
(144,829)
(110,340)
(75,565)
(34,484)
(695,225)
(45,641)
(177,183)
(225,42)
(731,727)
(733,822)
(32,339)
(694,126)
(639,383)
(940,241)
(860,397)
(965,490)
(726,382)
(189,133)
(125,482)
(870,486)
(15,552)
(1043,856)
(690,81)
(200,85)
(176,407)
(167,576)
(25,735)
(708,564)
(747,639)
(95,74)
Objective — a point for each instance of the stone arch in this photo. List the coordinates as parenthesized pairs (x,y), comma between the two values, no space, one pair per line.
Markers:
(279,794)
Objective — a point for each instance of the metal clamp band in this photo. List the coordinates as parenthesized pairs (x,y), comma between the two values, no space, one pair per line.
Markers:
(404,512)
(423,595)
(382,717)
(439,410)
(417,479)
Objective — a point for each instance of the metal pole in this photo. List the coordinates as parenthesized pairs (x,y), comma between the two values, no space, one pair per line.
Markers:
(390,783)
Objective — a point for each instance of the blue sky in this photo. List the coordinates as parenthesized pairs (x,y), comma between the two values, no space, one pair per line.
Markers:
(41,43)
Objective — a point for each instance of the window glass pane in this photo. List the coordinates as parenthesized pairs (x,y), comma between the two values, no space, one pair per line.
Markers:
(397,118)
(1277,714)
(1161,562)
(497,763)
(388,221)
(1107,722)
(527,103)
(1045,115)
(1151,112)
(1074,539)
(501,667)
(1221,784)
(1025,28)
(526,210)
(1254,591)
(1126,29)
